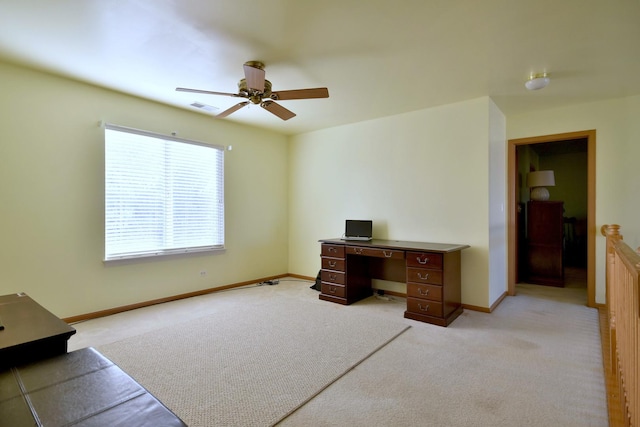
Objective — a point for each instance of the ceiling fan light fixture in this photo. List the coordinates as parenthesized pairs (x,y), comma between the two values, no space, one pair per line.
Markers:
(257,90)
(537,81)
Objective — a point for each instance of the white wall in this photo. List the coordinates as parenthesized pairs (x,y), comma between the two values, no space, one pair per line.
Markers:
(497,202)
(420,176)
(52,197)
(617,153)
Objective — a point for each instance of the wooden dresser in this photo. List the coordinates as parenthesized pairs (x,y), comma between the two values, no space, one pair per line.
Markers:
(431,271)
(545,233)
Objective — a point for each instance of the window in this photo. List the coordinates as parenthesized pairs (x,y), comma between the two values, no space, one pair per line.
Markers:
(163,195)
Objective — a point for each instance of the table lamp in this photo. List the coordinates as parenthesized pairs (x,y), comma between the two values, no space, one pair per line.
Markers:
(538,181)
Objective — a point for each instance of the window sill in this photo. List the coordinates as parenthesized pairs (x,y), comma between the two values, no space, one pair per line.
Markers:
(155,256)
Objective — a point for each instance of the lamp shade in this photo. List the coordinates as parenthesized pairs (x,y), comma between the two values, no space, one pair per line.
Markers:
(541,179)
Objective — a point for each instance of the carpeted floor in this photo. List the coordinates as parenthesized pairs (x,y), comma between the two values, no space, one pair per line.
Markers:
(251,364)
(534,361)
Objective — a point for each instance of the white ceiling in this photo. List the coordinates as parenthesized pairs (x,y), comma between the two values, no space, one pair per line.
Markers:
(377,57)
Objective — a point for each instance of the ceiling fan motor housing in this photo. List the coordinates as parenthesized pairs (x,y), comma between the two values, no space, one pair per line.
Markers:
(253,95)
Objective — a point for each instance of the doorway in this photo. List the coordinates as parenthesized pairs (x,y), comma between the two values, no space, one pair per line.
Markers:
(514,185)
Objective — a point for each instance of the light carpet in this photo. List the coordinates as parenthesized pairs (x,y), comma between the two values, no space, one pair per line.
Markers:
(535,361)
(251,365)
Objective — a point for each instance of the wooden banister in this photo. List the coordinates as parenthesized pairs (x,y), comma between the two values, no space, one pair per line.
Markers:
(623,313)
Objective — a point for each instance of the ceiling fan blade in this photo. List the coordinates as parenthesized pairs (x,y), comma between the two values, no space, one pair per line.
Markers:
(319,92)
(255,77)
(208,92)
(233,109)
(278,110)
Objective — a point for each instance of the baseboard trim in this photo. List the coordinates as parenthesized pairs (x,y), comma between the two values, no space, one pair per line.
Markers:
(498,301)
(476,308)
(298,276)
(121,309)
(485,309)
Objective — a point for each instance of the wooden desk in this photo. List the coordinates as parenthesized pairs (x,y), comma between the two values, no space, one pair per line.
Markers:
(432,272)
(30,331)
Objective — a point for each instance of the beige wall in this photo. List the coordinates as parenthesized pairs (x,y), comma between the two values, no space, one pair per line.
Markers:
(617,153)
(52,197)
(426,175)
(420,176)
(570,171)
(629,165)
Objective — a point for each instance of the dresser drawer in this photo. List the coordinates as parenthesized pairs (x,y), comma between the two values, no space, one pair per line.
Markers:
(431,292)
(334,290)
(332,277)
(424,260)
(374,252)
(422,275)
(336,251)
(336,264)
(425,307)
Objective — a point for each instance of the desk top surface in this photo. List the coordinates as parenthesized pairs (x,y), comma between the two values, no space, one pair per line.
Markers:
(25,321)
(399,245)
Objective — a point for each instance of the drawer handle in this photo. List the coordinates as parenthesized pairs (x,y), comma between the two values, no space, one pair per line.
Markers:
(332,249)
(332,289)
(425,293)
(425,308)
(332,277)
(422,261)
(358,251)
(332,263)
(426,276)
(385,253)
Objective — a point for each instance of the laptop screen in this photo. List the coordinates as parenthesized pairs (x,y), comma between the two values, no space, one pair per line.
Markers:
(358,228)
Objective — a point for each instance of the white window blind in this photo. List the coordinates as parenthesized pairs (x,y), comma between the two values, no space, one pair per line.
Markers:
(163,195)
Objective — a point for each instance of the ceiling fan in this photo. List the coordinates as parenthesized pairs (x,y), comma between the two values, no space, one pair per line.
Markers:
(257,90)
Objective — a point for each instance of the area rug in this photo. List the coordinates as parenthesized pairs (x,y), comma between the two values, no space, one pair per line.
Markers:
(251,365)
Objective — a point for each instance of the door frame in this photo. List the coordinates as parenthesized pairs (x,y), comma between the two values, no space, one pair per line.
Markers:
(512,171)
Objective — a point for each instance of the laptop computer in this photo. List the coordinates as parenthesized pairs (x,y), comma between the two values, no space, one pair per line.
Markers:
(358,230)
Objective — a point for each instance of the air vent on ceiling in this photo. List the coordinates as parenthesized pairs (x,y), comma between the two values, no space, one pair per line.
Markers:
(205,107)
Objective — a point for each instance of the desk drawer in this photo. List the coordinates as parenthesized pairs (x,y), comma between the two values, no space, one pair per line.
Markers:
(430,292)
(333,290)
(336,251)
(422,275)
(425,307)
(424,260)
(374,252)
(336,264)
(332,277)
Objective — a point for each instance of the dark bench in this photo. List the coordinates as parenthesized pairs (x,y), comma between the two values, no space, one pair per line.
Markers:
(80,388)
